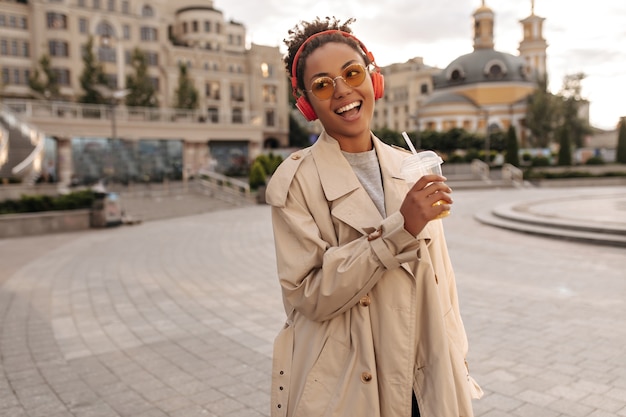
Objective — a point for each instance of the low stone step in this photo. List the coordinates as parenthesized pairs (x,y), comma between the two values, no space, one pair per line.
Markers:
(555,229)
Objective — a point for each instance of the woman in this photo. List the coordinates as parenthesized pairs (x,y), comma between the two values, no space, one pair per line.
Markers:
(373,325)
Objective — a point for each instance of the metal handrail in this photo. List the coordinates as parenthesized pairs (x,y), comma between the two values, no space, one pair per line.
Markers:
(224,182)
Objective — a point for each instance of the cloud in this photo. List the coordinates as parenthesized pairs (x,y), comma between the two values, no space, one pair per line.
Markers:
(580,39)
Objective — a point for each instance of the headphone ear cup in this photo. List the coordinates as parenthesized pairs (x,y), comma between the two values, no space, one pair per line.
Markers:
(378,82)
(306,109)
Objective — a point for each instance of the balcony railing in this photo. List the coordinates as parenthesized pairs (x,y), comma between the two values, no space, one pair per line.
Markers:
(70,110)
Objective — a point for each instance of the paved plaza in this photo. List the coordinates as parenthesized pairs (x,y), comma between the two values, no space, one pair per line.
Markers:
(176,316)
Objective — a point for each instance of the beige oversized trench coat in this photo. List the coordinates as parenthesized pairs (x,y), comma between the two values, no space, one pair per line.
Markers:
(372,310)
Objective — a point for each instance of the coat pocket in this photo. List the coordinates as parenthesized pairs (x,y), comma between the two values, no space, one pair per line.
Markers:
(322,382)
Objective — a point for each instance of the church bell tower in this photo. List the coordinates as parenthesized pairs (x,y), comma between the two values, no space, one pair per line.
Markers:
(533,46)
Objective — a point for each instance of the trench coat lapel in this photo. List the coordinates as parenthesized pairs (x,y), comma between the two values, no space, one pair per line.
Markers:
(350,203)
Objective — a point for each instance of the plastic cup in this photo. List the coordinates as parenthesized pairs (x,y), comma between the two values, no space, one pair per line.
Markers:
(419,164)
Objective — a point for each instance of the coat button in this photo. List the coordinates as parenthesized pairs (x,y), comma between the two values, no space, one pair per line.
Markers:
(365,301)
(295,157)
(366,377)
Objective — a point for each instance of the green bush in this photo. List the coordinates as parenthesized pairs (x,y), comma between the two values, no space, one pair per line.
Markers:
(540,161)
(36,203)
(262,167)
(455,158)
(595,160)
(471,155)
(257,175)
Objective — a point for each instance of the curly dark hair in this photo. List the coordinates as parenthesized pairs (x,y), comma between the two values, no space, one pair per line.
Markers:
(304,30)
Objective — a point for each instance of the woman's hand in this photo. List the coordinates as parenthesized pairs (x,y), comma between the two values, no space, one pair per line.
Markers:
(418,206)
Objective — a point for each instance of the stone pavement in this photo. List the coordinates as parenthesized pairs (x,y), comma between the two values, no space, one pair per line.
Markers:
(176,317)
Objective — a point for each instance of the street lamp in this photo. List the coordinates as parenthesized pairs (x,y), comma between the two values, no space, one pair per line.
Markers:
(487,144)
(112,97)
(418,139)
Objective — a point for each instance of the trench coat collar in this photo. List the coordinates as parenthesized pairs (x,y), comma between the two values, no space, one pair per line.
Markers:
(350,201)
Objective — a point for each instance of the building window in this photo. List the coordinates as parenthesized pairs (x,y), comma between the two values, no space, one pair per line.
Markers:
(125,7)
(213,114)
(111,5)
(212,90)
(96,4)
(270,118)
(17,79)
(207,26)
(82,25)
(106,54)
(58,48)
(81,3)
(155,82)
(152,58)
(126,32)
(63,76)
(148,34)
(23,23)
(269,94)
(185,27)
(237,115)
(424,88)
(25,49)
(266,70)
(495,69)
(4,47)
(236,92)
(105,30)
(147,11)
(56,20)
(17,76)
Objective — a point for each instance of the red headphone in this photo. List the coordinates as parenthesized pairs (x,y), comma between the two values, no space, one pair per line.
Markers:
(302,103)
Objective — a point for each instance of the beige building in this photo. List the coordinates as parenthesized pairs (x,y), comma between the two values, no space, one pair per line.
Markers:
(243,96)
(484,89)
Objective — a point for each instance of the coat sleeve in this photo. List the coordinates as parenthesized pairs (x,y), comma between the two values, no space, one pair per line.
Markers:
(320,278)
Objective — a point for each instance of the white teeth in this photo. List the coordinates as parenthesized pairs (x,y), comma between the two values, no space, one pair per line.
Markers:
(348,107)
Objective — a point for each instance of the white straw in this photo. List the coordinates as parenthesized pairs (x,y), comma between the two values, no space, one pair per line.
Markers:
(408,142)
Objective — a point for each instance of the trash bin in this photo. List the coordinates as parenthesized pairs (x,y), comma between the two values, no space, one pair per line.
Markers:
(106,210)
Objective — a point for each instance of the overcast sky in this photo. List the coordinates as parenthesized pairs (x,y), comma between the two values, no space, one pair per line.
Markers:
(588,37)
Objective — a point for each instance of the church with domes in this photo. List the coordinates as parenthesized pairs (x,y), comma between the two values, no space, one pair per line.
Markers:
(483,91)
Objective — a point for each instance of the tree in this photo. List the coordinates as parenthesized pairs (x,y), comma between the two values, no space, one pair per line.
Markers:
(298,136)
(142,92)
(621,142)
(186,93)
(49,86)
(92,75)
(540,114)
(565,146)
(512,148)
(571,101)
